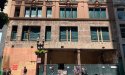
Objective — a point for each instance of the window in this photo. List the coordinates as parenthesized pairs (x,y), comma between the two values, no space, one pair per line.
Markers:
(68,34)
(121,13)
(48,33)
(95,0)
(49,12)
(33,12)
(122,28)
(123,46)
(68,12)
(69,0)
(0,36)
(14,33)
(30,33)
(99,34)
(97,13)
(17,12)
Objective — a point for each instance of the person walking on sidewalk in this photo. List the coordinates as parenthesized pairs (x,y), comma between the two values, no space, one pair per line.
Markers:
(25,71)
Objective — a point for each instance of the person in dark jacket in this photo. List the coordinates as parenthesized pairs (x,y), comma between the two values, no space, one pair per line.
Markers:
(24,71)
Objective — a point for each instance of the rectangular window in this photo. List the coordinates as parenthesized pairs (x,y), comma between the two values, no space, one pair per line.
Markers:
(30,33)
(48,33)
(33,12)
(69,34)
(98,0)
(49,12)
(97,13)
(14,33)
(39,12)
(68,12)
(122,29)
(121,13)
(17,12)
(123,46)
(27,12)
(0,36)
(99,34)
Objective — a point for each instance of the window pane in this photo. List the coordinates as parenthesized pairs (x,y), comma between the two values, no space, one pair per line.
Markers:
(0,36)
(69,29)
(48,33)
(74,12)
(97,13)
(68,13)
(33,12)
(27,12)
(25,33)
(121,13)
(123,32)
(103,13)
(14,33)
(91,13)
(105,33)
(34,33)
(17,12)
(62,13)
(94,33)
(49,12)
(122,29)
(39,12)
(74,34)
(123,49)
(63,34)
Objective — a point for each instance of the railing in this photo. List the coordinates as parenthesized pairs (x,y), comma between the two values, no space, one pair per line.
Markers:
(72,69)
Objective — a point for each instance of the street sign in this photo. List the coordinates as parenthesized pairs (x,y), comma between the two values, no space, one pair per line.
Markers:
(38,60)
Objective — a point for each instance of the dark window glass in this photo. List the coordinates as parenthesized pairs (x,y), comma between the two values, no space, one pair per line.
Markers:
(30,33)
(48,33)
(17,12)
(99,34)
(68,12)
(97,13)
(68,34)
(14,33)
(122,29)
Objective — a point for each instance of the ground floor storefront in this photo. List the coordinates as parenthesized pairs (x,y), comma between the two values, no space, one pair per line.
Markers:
(74,69)
(61,61)
(77,62)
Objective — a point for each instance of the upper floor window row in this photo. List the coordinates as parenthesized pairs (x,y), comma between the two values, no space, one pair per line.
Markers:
(121,13)
(66,33)
(64,12)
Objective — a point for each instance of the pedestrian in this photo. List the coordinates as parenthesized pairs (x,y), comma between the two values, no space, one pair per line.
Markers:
(84,72)
(24,71)
(9,72)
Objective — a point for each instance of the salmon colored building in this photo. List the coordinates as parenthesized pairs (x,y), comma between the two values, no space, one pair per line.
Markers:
(77,34)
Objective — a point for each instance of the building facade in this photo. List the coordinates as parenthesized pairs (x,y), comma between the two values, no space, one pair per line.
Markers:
(120,24)
(76,34)
(3,29)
